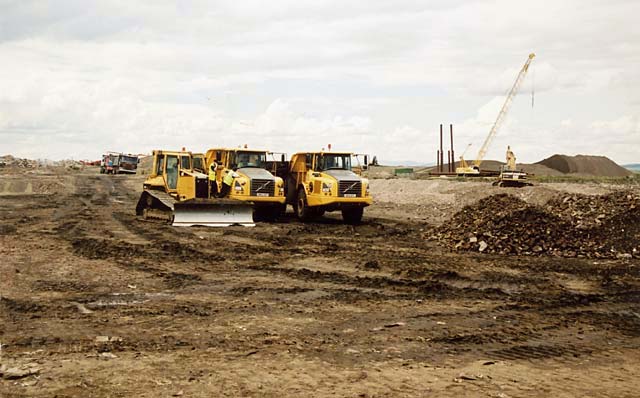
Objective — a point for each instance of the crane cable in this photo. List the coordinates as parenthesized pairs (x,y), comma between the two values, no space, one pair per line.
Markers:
(533,83)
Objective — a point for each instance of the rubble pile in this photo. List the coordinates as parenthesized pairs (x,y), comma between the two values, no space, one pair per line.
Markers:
(569,225)
(9,161)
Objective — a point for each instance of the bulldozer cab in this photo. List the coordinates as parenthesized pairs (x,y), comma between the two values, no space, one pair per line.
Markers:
(176,191)
(169,166)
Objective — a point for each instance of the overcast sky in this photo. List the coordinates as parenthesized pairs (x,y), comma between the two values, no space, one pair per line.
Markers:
(81,77)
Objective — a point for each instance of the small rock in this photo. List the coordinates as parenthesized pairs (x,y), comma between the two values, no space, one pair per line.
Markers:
(107,339)
(18,372)
(473,239)
(483,246)
(373,264)
(107,355)
(82,308)
(393,325)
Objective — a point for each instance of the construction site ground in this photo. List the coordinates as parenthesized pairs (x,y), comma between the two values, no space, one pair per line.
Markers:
(95,302)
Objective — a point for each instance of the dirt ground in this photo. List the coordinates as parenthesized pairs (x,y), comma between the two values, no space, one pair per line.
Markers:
(95,302)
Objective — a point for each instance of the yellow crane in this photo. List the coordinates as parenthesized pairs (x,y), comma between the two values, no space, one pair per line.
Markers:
(464,168)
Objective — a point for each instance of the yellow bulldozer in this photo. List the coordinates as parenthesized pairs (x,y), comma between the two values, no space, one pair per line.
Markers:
(317,182)
(178,193)
(241,175)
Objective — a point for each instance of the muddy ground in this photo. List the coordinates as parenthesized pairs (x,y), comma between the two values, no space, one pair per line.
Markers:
(95,302)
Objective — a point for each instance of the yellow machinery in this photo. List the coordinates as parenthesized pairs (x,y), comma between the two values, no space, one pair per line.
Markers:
(175,192)
(199,163)
(247,180)
(324,181)
(474,169)
(509,175)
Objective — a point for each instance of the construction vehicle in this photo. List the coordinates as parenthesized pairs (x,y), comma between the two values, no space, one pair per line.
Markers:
(118,163)
(199,163)
(317,182)
(176,193)
(469,170)
(509,175)
(247,180)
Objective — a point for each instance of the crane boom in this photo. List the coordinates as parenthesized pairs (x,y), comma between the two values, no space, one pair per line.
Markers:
(503,112)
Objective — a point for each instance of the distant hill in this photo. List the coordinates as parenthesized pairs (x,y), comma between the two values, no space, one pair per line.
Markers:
(633,167)
(600,166)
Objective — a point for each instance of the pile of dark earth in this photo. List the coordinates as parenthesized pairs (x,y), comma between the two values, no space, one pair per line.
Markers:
(568,225)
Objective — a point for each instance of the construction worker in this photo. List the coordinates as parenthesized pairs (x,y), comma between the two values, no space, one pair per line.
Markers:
(213,186)
(226,184)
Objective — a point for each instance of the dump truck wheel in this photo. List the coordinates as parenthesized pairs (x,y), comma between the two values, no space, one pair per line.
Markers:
(352,215)
(303,212)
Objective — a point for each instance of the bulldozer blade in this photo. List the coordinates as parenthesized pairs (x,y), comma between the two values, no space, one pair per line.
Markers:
(223,214)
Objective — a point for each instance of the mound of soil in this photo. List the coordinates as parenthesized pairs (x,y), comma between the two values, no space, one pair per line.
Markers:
(569,225)
(600,166)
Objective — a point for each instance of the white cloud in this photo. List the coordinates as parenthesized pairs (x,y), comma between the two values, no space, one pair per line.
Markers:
(78,78)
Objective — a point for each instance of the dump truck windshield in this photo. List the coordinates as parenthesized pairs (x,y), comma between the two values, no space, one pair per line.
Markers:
(130,159)
(334,161)
(198,163)
(250,159)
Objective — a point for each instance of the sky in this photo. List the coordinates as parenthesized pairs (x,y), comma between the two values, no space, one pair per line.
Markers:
(78,77)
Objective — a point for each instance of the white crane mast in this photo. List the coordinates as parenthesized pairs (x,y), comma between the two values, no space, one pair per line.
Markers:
(503,112)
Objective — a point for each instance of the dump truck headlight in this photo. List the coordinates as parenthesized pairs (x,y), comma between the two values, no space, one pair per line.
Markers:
(237,186)
(281,190)
(326,187)
(367,190)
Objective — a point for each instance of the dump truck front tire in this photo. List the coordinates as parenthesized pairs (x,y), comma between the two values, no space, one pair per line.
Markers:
(303,211)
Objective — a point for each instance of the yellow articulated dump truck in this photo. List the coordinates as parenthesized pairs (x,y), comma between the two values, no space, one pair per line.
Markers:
(174,191)
(324,181)
(241,174)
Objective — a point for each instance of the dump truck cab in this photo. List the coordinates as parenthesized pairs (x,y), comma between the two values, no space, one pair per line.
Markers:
(325,181)
(199,162)
(174,191)
(244,173)
(128,164)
